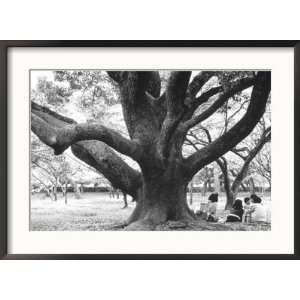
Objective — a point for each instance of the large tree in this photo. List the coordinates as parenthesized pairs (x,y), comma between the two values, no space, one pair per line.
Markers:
(157,122)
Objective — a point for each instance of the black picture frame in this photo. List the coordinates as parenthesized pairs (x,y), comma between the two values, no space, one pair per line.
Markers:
(5,45)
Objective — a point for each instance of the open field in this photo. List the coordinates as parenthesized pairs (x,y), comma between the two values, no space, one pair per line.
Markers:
(97,211)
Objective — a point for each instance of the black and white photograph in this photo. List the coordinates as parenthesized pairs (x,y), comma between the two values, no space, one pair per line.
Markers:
(150,150)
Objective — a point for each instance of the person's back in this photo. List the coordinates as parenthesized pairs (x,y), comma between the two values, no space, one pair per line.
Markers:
(212,208)
(236,213)
(259,213)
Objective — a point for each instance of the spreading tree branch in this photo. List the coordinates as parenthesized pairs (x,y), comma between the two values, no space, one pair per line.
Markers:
(175,94)
(191,101)
(228,92)
(96,154)
(265,138)
(110,165)
(61,138)
(238,132)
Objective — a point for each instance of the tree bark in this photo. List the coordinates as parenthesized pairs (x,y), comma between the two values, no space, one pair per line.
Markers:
(230,198)
(161,199)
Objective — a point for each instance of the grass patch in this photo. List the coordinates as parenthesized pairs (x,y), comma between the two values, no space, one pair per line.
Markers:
(98,212)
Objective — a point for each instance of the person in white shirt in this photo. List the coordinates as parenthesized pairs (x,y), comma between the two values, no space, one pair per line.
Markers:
(257,210)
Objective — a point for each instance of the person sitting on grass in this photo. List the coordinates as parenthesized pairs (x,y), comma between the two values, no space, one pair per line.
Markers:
(236,213)
(212,208)
(247,207)
(257,210)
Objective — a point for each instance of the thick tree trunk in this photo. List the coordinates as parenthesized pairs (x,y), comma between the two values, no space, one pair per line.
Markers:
(160,200)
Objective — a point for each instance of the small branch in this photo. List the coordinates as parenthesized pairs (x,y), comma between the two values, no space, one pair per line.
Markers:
(197,83)
(193,105)
(45,170)
(239,131)
(204,143)
(265,138)
(236,87)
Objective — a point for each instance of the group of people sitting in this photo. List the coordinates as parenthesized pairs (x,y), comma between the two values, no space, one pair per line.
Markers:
(251,211)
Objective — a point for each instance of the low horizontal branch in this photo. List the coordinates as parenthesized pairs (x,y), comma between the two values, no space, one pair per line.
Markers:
(62,138)
(94,153)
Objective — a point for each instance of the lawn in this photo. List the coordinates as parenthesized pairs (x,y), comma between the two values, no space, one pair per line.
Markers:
(97,211)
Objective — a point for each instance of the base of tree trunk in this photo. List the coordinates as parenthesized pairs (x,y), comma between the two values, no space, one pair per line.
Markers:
(146,217)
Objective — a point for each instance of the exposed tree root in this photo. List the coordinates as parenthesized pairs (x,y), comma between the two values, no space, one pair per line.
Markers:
(118,226)
(142,225)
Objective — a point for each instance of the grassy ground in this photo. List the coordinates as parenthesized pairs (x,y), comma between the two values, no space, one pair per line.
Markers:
(96,211)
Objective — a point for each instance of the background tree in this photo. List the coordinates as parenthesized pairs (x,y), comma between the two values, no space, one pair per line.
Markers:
(247,154)
(157,121)
(54,169)
(262,164)
(232,189)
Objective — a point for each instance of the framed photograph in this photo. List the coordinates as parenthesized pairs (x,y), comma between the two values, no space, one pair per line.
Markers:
(149,149)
